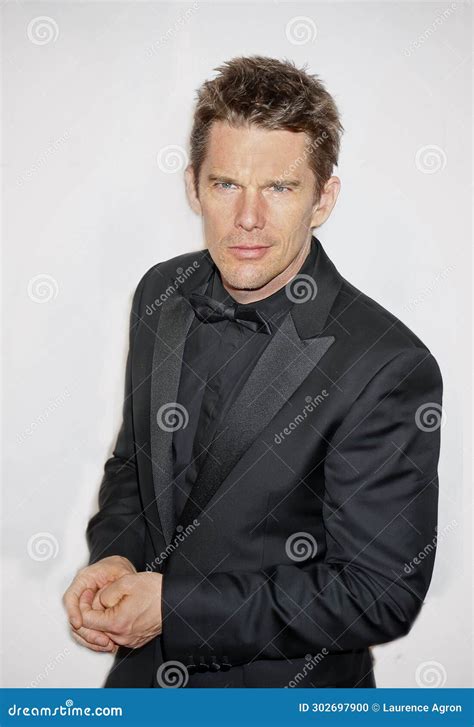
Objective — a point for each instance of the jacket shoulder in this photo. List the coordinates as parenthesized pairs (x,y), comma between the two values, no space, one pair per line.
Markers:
(370,338)
(166,276)
(372,323)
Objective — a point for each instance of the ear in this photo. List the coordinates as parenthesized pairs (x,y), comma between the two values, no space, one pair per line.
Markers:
(327,200)
(191,194)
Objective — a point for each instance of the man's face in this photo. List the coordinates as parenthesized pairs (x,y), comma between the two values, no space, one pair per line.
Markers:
(255,189)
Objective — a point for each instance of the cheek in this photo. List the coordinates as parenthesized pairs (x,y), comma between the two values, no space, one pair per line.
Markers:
(217,215)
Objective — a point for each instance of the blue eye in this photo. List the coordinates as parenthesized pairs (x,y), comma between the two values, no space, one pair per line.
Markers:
(222,184)
(277,187)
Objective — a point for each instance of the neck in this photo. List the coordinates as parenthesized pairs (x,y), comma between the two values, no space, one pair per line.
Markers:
(273,285)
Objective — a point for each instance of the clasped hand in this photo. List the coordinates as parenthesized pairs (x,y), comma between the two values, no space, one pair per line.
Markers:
(109,604)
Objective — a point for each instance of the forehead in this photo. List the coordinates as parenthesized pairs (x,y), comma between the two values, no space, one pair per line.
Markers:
(247,148)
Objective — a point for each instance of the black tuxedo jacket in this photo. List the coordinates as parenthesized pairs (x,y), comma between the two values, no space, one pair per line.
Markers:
(310,532)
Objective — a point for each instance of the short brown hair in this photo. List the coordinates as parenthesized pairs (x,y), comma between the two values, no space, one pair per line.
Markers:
(272,94)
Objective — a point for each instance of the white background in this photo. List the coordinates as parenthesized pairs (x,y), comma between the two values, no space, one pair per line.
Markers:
(87,208)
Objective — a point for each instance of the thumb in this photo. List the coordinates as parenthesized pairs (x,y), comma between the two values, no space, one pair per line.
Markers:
(96,602)
(111,595)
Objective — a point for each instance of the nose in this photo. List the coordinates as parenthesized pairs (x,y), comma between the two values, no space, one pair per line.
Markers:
(250,212)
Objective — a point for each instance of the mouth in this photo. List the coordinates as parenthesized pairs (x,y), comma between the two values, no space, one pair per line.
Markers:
(249,251)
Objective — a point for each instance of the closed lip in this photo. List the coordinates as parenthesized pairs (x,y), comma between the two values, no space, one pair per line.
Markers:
(248,247)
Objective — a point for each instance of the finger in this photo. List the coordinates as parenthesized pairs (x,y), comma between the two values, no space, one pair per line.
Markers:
(94,576)
(90,601)
(113,593)
(98,620)
(86,604)
(95,605)
(110,598)
(87,599)
(92,647)
(99,638)
(73,594)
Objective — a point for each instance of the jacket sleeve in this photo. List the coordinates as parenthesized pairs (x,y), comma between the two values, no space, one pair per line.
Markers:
(380,514)
(118,527)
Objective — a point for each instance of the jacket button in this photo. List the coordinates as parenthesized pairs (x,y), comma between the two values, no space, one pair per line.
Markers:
(214,666)
(191,666)
(225,664)
(202,666)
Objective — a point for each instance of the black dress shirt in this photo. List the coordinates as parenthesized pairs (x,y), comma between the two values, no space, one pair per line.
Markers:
(218,359)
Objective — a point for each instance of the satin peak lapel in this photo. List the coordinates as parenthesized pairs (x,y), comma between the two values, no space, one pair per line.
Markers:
(175,320)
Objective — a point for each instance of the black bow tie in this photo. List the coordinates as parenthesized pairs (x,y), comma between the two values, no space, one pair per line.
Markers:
(209,310)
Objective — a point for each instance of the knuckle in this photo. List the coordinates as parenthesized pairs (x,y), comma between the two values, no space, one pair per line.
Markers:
(122,625)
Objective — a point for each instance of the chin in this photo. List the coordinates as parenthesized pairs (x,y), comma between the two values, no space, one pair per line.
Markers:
(245,275)
(246,282)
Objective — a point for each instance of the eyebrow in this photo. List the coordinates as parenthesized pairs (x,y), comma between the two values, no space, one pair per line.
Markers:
(269,182)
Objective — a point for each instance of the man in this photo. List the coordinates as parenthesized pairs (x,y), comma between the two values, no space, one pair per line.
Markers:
(275,475)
